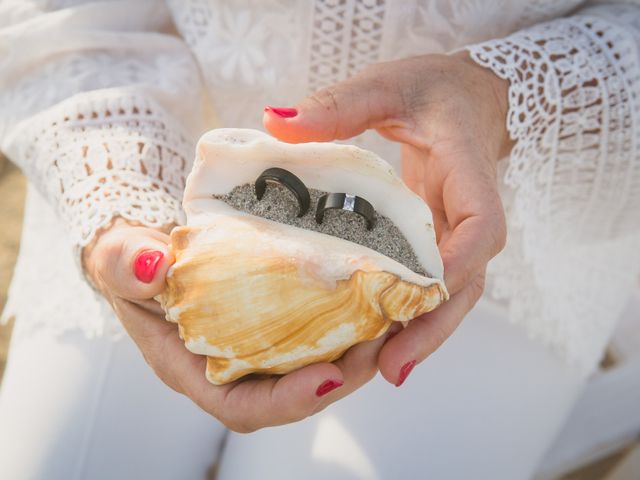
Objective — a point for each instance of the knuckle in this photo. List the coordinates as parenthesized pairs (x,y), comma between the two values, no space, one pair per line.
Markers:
(439,335)
(319,408)
(326,98)
(236,425)
(367,374)
(296,416)
(464,274)
(106,261)
(291,412)
(213,408)
(167,378)
(500,230)
(467,273)
(476,289)
(151,357)
(479,284)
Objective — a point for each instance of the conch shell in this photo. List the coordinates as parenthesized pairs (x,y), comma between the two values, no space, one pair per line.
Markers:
(259,296)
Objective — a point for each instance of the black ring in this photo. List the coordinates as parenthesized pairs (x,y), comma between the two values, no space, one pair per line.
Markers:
(345,201)
(289,180)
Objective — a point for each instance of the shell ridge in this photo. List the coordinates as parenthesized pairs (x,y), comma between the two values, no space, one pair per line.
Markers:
(354,278)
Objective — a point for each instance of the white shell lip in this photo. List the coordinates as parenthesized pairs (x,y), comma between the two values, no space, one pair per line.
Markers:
(229,157)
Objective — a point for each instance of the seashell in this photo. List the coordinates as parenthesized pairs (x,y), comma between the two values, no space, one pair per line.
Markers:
(257,295)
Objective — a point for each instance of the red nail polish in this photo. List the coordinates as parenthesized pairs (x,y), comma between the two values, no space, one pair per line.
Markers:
(282,111)
(405,371)
(146,265)
(327,386)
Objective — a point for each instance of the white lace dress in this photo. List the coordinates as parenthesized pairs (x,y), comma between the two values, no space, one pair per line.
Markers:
(101,104)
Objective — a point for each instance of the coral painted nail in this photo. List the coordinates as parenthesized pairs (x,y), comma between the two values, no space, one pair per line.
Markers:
(146,265)
(327,386)
(405,371)
(283,112)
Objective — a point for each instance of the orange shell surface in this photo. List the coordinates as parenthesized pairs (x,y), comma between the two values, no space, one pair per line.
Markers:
(256,303)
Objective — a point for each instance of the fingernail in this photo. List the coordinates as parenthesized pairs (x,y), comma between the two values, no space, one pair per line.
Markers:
(146,265)
(282,111)
(327,386)
(405,371)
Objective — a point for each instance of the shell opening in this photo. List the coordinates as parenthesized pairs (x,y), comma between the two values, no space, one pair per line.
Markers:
(289,180)
(278,205)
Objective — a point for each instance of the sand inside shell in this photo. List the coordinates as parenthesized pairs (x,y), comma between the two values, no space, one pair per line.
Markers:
(279,205)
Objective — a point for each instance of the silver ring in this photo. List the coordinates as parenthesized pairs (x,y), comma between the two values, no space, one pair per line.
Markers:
(346,201)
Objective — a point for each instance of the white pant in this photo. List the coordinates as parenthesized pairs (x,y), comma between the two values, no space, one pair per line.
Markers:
(484,406)
(72,408)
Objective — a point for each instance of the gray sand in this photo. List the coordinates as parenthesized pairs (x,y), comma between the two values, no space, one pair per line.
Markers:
(278,204)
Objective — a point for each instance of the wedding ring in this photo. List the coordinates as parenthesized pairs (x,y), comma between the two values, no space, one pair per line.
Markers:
(345,201)
(287,179)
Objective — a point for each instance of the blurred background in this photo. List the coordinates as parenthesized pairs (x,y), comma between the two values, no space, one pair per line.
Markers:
(12,192)
(603,414)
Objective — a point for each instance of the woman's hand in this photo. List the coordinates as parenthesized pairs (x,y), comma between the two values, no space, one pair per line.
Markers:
(128,264)
(450,116)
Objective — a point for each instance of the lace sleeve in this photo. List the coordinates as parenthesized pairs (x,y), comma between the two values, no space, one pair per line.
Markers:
(574,173)
(101,111)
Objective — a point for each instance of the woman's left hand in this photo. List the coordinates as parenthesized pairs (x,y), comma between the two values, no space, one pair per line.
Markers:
(128,264)
(450,116)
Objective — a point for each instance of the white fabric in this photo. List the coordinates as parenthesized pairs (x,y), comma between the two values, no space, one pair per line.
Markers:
(574,111)
(73,408)
(112,151)
(467,412)
(121,144)
(65,302)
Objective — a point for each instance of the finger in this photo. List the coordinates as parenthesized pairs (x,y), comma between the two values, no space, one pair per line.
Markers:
(368,100)
(425,334)
(152,306)
(414,174)
(358,365)
(476,221)
(291,393)
(466,250)
(132,263)
(413,170)
(253,404)
(467,210)
(244,405)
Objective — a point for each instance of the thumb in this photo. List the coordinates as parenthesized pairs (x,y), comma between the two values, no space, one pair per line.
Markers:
(132,263)
(341,111)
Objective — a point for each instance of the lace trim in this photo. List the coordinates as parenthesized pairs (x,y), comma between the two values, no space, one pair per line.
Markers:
(346,37)
(102,154)
(64,302)
(572,112)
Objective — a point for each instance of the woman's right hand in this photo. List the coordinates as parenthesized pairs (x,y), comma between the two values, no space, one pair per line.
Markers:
(128,264)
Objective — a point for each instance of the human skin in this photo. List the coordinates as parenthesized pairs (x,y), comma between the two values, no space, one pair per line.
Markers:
(449,114)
